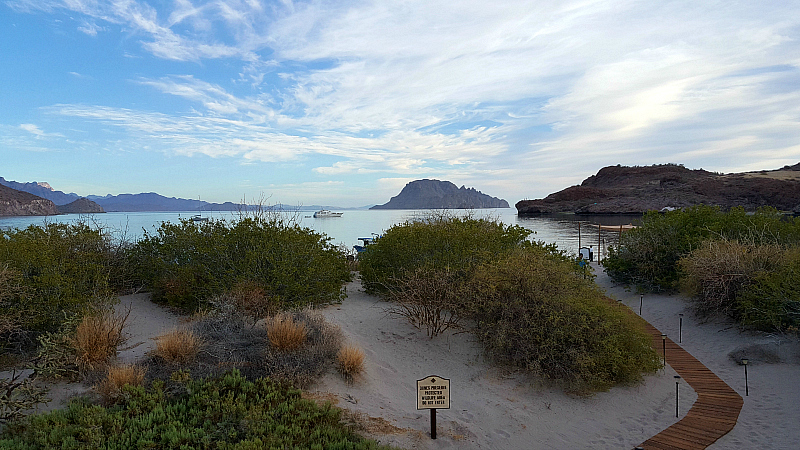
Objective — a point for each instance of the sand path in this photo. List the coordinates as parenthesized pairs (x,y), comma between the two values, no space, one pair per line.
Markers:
(488,409)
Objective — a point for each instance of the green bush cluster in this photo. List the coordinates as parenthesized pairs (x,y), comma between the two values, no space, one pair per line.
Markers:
(455,244)
(185,264)
(528,303)
(734,263)
(49,274)
(648,255)
(229,412)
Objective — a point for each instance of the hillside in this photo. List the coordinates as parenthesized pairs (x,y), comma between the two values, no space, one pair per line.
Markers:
(81,206)
(41,189)
(435,194)
(635,190)
(18,203)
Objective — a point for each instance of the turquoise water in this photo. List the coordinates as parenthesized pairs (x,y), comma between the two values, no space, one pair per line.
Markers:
(561,230)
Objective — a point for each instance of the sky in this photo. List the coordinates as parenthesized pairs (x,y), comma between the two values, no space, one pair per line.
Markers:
(344,102)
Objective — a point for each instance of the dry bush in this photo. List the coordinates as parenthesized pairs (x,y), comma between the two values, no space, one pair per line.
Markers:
(285,334)
(252,299)
(97,337)
(178,347)
(110,389)
(715,273)
(350,361)
(428,299)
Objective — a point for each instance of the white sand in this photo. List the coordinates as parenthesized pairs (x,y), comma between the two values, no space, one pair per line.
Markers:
(492,410)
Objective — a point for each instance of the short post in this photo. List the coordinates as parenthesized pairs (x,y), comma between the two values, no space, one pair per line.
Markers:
(664,347)
(746,390)
(677,382)
(641,302)
(433,423)
(680,329)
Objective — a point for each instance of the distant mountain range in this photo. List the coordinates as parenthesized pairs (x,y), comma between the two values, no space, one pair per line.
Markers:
(635,190)
(435,194)
(149,201)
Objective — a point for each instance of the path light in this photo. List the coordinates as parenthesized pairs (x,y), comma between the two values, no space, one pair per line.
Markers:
(680,329)
(677,382)
(746,390)
(641,302)
(664,347)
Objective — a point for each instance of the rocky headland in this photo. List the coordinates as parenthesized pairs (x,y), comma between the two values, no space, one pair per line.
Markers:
(81,206)
(18,203)
(635,190)
(435,194)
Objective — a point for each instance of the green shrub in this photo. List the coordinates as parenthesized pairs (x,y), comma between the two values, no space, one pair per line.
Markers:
(227,413)
(534,311)
(771,301)
(649,255)
(187,263)
(54,272)
(455,244)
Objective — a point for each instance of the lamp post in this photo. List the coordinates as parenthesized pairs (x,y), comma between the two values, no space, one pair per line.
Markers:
(746,389)
(664,347)
(641,302)
(680,328)
(677,382)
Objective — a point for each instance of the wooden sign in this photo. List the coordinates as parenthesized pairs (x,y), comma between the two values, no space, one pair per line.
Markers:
(433,392)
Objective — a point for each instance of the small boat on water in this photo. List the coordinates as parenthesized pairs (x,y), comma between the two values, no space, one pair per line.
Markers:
(326,213)
(366,242)
(614,227)
(199,218)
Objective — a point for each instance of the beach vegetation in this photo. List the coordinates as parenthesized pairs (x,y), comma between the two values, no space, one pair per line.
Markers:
(436,242)
(187,263)
(228,411)
(111,387)
(97,337)
(350,361)
(532,311)
(178,346)
(285,334)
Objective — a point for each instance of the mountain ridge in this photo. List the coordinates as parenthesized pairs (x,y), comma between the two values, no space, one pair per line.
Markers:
(435,194)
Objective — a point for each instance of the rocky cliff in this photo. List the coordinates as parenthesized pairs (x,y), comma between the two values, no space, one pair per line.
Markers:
(435,194)
(18,203)
(635,190)
(81,206)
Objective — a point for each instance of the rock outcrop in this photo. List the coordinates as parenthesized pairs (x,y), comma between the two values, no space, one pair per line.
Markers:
(435,194)
(81,206)
(18,203)
(635,190)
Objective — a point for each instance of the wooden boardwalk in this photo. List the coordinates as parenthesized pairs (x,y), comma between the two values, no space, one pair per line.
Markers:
(714,413)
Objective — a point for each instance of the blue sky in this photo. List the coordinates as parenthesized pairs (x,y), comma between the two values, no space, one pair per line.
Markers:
(343,103)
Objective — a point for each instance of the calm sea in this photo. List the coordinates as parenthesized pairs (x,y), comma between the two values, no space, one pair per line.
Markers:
(561,230)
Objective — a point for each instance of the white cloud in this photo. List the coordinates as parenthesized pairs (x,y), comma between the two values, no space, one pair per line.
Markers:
(32,129)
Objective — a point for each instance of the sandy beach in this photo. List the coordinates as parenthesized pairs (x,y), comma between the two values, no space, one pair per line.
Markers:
(493,409)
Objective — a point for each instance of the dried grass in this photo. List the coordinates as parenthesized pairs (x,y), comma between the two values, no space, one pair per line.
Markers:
(178,347)
(110,389)
(350,361)
(97,337)
(251,298)
(285,334)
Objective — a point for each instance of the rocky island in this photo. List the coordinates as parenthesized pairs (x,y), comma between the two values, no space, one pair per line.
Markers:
(435,194)
(635,190)
(18,203)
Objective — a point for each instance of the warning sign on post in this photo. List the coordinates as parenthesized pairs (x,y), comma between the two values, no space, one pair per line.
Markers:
(433,392)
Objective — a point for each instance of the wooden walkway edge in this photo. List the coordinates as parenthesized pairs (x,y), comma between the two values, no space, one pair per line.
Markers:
(714,413)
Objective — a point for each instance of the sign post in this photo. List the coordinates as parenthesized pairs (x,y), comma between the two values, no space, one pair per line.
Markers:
(433,392)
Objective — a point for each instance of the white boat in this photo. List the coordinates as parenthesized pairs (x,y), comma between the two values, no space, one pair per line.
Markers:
(199,218)
(327,213)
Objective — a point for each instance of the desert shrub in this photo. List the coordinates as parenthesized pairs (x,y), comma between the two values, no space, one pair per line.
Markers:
(429,299)
(19,394)
(253,299)
(186,264)
(350,361)
(97,337)
(53,272)
(439,242)
(226,412)
(771,301)
(715,273)
(533,311)
(110,388)
(649,255)
(178,347)
(285,334)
